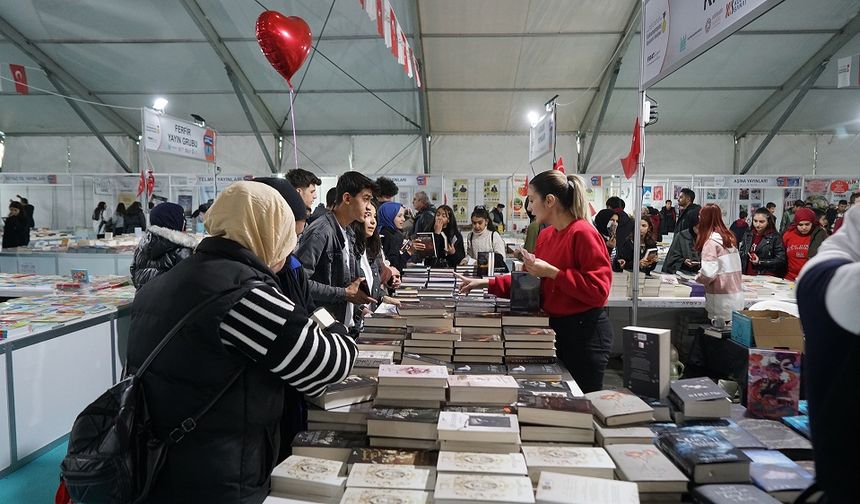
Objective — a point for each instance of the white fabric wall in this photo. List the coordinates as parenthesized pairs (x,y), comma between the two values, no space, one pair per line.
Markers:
(700,154)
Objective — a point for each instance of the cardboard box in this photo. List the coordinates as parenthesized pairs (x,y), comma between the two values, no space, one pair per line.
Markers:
(767,329)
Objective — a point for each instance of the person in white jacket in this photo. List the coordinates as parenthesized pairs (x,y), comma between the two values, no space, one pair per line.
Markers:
(483,237)
(721,266)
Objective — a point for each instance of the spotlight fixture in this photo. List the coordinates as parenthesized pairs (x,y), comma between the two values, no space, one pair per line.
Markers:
(159,104)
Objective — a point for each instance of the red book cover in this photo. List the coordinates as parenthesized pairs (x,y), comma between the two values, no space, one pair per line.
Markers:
(773,387)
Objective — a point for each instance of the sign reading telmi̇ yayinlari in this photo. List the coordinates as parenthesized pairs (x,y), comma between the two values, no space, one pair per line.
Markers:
(163,133)
(676,31)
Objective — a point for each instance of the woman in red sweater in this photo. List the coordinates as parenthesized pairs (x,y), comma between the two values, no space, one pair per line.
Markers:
(802,239)
(570,259)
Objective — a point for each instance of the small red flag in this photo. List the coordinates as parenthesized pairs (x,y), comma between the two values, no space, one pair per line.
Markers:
(19,75)
(150,182)
(559,165)
(631,162)
(379,26)
(395,40)
(141,184)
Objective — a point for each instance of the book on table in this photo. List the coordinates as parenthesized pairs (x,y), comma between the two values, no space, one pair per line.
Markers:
(391,457)
(700,398)
(557,488)
(512,464)
(410,423)
(731,494)
(478,447)
(704,456)
(516,333)
(778,475)
(619,407)
(607,436)
(478,319)
(327,444)
(383,495)
(543,387)
(482,488)
(482,389)
(548,372)
(474,368)
(299,475)
(648,467)
(555,410)
(773,383)
(646,361)
(525,319)
(354,389)
(581,461)
(350,414)
(403,443)
(776,436)
(410,393)
(413,375)
(554,434)
(391,476)
(800,424)
(435,333)
(478,427)
(478,340)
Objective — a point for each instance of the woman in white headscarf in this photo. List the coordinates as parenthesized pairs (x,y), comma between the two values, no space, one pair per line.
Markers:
(246,340)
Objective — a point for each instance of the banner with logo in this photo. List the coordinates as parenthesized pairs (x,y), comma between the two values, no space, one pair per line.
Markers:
(39,179)
(751,181)
(542,137)
(676,31)
(825,191)
(163,133)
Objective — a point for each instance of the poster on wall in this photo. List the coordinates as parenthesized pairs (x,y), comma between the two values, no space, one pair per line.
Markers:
(186,202)
(822,192)
(460,199)
(789,196)
(518,198)
(492,193)
(647,196)
(657,193)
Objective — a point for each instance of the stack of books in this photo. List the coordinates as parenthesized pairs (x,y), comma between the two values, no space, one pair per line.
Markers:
(475,389)
(704,455)
(383,332)
(327,444)
(555,488)
(414,277)
(368,361)
(576,460)
(412,386)
(465,431)
(391,456)
(409,428)
(533,344)
(308,477)
(441,282)
(350,418)
(392,477)
(436,342)
(482,488)
(620,282)
(657,478)
(649,286)
(555,419)
(353,390)
(479,345)
(698,398)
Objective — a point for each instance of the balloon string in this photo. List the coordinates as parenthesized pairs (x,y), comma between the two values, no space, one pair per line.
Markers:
(293,121)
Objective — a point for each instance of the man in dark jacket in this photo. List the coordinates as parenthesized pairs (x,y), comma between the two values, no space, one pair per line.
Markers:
(668,216)
(326,250)
(682,255)
(688,209)
(425,216)
(321,210)
(305,183)
(16,229)
(134,217)
(740,227)
(28,210)
(164,245)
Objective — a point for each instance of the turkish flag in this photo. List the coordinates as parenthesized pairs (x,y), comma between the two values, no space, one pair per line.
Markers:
(631,162)
(395,39)
(559,165)
(379,19)
(141,184)
(19,75)
(150,182)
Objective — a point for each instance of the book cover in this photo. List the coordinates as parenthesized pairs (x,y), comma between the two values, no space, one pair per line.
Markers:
(645,463)
(429,243)
(555,488)
(693,447)
(773,384)
(549,372)
(487,340)
(543,387)
(583,461)
(493,428)
(800,424)
(622,435)
(479,369)
(646,361)
(529,334)
(491,381)
(391,476)
(774,435)
(413,375)
(487,463)
(619,407)
(417,415)
(697,389)
(373,358)
(496,410)
(352,382)
(525,292)
(309,475)
(563,411)
(483,488)
(384,496)
(329,439)
(732,494)
(392,457)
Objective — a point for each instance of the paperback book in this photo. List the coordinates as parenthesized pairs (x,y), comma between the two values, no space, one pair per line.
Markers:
(480,488)
(773,384)
(646,361)
(705,456)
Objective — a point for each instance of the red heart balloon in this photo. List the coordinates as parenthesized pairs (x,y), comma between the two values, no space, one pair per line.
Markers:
(285,41)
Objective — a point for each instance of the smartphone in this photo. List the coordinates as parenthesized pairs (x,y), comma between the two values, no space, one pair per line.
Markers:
(753,256)
(651,253)
(406,245)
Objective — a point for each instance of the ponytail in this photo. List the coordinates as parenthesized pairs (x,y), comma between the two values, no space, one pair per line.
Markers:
(569,190)
(579,204)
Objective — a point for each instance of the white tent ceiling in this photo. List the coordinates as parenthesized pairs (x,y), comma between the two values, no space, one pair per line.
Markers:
(486,64)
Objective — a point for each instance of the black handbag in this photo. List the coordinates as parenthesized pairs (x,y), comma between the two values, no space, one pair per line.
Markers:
(114,456)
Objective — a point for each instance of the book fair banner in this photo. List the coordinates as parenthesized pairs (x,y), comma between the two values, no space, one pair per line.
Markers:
(163,133)
(677,31)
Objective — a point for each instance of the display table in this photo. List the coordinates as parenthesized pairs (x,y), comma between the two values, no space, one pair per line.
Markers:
(48,376)
(61,263)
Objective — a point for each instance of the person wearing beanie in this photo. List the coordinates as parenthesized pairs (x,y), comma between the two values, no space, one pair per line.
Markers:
(163,246)
(802,239)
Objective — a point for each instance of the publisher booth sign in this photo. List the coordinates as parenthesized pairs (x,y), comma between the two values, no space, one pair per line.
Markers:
(163,133)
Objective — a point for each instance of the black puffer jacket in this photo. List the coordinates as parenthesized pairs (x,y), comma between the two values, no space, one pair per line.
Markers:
(159,251)
(770,251)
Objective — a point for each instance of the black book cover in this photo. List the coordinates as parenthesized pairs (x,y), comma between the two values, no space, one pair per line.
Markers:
(542,387)
(525,292)
(642,361)
(692,447)
(697,389)
(416,415)
(731,494)
(480,369)
(352,382)
(392,457)
(534,369)
(518,360)
(329,439)
(555,403)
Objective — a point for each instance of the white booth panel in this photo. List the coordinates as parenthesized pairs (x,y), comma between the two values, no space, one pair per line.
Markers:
(123,264)
(55,380)
(37,265)
(5,449)
(96,264)
(9,264)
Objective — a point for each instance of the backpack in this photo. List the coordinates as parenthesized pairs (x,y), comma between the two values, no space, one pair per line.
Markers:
(114,456)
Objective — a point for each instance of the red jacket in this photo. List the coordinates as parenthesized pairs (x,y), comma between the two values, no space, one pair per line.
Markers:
(585,275)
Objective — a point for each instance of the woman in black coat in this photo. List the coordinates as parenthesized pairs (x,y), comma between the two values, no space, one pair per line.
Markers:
(134,218)
(450,250)
(668,216)
(16,231)
(164,245)
(390,219)
(624,255)
(762,250)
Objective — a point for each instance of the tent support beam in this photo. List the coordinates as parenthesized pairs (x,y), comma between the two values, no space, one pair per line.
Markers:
(95,131)
(801,94)
(208,30)
(235,81)
(52,67)
(423,105)
(617,55)
(602,115)
(835,43)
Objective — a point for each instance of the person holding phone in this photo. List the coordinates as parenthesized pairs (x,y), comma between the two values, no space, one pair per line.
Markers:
(762,250)
(721,266)
(575,275)
(682,256)
(449,242)
(624,256)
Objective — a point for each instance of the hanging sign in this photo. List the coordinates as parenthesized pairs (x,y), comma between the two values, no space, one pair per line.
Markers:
(848,71)
(14,178)
(677,31)
(542,137)
(163,133)
(740,181)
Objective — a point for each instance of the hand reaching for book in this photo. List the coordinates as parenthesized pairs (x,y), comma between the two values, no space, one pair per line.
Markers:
(355,295)
(468,284)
